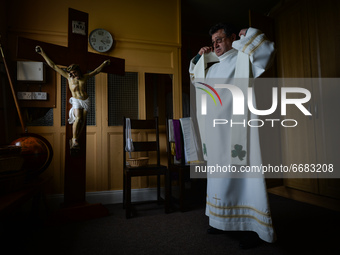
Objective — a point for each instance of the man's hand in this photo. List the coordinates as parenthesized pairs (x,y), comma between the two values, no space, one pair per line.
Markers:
(107,62)
(205,49)
(243,32)
(38,49)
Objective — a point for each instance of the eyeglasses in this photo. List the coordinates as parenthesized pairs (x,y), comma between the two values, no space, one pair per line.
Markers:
(218,40)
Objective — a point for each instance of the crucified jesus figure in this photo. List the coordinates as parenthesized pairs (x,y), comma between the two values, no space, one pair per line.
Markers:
(80,100)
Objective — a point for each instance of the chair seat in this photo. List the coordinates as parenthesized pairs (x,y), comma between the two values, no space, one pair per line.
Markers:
(179,167)
(152,169)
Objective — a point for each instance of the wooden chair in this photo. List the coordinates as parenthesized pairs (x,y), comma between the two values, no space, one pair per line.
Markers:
(147,170)
(182,170)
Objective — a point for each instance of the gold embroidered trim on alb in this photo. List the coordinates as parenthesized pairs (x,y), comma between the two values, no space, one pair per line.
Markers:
(241,216)
(251,40)
(239,207)
(258,45)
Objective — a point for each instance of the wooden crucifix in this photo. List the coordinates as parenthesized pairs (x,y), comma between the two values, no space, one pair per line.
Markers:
(75,53)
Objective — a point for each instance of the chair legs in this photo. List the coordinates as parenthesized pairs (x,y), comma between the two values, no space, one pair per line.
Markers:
(167,197)
(124,188)
(127,195)
(181,180)
(181,191)
(158,189)
(127,205)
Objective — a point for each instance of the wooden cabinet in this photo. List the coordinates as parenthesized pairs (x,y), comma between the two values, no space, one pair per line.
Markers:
(307,40)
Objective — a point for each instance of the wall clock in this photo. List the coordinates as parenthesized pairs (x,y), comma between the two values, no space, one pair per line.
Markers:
(101,40)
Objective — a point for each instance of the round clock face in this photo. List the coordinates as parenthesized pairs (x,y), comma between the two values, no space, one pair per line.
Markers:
(101,40)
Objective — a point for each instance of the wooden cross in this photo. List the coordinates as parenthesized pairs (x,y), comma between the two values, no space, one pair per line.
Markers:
(75,53)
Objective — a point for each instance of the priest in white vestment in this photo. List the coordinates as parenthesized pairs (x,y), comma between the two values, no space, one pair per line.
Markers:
(232,204)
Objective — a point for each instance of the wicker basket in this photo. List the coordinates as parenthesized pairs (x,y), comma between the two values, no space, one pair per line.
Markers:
(136,162)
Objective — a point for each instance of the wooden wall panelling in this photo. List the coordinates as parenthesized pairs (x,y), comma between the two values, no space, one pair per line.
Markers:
(325,56)
(307,39)
(294,62)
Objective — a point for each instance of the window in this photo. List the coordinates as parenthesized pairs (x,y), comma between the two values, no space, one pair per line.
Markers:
(122,97)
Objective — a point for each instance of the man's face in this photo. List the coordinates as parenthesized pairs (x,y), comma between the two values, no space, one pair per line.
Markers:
(221,43)
(74,74)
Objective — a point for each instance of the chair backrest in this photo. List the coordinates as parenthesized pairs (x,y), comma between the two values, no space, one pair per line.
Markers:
(170,156)
(140,146)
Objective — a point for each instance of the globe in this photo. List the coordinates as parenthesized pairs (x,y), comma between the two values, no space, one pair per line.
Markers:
(36,152)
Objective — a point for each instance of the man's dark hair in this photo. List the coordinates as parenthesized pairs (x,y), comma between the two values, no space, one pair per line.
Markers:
(228,28)
(73,67)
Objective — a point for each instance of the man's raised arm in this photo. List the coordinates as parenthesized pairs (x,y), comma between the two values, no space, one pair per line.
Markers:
(40,51)
(99,68)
